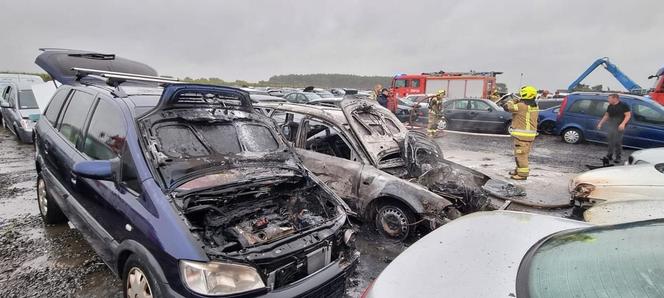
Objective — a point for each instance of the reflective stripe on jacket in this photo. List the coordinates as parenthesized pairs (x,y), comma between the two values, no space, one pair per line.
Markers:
(524,120)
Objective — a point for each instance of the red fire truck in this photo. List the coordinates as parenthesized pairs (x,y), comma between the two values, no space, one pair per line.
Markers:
(657,93)
(456,84)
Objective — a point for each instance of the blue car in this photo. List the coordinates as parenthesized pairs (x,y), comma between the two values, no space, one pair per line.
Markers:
(547,120)
(581,111)
(181,189)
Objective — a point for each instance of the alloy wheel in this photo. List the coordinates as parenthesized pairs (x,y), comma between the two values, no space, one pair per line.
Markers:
(41,197)
(137,284)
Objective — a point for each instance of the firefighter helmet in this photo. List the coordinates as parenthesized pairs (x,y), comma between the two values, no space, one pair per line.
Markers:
(441,92)
(528,92)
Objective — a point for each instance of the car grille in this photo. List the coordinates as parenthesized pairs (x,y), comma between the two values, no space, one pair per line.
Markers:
(333,288)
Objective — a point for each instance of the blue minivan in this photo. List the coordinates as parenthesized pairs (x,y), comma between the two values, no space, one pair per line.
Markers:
(581,111)
(182,189)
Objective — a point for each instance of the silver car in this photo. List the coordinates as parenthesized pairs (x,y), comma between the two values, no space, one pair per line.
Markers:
(514,254)
(19,109)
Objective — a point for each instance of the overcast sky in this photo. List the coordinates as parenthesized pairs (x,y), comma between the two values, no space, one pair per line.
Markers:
(550,42)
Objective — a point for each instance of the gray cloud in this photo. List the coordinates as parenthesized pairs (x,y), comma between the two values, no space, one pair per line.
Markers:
(551,42)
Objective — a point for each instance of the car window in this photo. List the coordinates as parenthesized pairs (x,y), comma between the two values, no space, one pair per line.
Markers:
(11,98)
(74,117)
(107,132)
(479,105)
(415,83)
(291,97)
(460,105)
(312,96)
(608,261)
(257,138)
(55,105)
(580,106)
(399,83)
(26,100)
(301,98)
(326,139)
(598,108)
(644,113)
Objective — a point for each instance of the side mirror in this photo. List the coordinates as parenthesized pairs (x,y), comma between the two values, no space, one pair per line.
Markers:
(97,169)
(5,104)
(490,109)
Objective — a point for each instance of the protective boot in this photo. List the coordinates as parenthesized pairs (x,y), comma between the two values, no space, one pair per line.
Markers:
(517,177)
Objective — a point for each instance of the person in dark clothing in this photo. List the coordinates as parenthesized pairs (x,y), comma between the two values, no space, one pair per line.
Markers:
(616,116)
(382,98)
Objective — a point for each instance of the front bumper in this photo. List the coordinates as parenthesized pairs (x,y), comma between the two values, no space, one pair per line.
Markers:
(330,281)
(25,135)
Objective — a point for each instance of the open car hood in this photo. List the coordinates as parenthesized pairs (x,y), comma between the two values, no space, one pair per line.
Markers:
(58,63)
(183,114)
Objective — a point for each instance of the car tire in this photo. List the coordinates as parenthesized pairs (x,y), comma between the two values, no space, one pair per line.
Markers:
(394,220)
(506,130)
(48,209)
(547,127)
(442,124)
(138,279)
(572,136)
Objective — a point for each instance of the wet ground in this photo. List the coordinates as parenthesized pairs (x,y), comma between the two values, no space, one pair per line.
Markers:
(54,261)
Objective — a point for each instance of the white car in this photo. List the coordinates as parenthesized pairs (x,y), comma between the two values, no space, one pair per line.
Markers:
(652,156)
(514,254)
(626,188)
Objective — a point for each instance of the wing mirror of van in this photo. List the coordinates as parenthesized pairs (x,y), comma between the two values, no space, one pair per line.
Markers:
(97,169)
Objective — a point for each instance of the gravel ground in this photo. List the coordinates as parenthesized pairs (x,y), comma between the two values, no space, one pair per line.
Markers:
(54,261)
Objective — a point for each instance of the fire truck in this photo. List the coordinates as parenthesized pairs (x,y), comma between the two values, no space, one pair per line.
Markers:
(657,92)
(456,84)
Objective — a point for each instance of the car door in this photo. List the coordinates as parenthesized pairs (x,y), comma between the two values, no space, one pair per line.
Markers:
(577,116)
(13,120)
(594,114)
(481,116)
(453,111)
(646,128)
(105,139)
(327,152)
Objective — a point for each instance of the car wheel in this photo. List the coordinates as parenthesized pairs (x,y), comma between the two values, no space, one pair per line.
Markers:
(138,280)
(394,221)
(506,130)
(547,127)
(442,124)
(572,136)
(48,208)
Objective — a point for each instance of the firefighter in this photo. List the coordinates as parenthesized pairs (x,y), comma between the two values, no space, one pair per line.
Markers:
(524,128)
(435,112)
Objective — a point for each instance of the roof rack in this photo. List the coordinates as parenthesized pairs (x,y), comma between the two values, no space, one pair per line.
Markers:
(121,76)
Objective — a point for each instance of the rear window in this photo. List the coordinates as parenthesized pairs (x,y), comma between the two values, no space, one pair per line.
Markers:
(580,106)
(55,105)
(26,100)
(610,261)
(74,117)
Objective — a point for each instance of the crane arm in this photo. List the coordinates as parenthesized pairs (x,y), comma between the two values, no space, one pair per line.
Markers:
(624,80)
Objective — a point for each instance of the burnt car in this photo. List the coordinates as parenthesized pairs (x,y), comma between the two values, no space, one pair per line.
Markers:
(388,175)
(181,189)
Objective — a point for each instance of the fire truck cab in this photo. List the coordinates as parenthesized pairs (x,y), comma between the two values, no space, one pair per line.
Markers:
(657,92)
(456,84)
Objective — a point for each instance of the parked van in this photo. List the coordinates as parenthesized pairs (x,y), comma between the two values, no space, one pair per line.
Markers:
(581,111)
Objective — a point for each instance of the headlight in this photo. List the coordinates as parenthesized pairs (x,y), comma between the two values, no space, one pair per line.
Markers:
(220,278)
(582,190)
(26,123)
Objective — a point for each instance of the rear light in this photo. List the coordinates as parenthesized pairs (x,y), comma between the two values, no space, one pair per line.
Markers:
(561,111)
